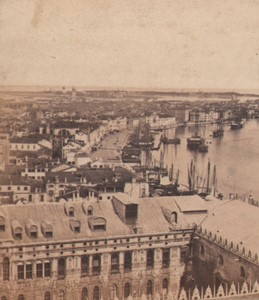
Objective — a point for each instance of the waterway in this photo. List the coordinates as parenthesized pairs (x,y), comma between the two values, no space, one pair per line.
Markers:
(236,156)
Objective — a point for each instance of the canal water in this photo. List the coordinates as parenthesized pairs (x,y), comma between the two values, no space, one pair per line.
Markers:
(236,156)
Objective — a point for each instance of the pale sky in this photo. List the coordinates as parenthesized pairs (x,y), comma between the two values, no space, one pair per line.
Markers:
(130,43)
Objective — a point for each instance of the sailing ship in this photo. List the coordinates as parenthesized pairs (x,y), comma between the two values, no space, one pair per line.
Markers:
(167,140)
(218,131)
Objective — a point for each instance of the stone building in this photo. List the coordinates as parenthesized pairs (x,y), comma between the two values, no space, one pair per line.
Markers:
(102,250)
(225,246)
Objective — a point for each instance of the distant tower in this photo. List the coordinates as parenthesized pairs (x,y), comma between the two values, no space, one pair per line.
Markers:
(73,94)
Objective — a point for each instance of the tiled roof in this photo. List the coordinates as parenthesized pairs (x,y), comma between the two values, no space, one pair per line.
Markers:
(24,140)
(151,218)
(235,221)
(12,179)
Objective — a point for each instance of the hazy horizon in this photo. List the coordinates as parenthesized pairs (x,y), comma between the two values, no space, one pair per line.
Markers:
(45,88)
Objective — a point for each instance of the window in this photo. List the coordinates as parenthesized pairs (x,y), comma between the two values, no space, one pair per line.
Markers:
(48,234)
(18,233)
(6,268)
(97,223)
(18,188)
(33,232)
(202,250)
(96,264)
(30,198)
(84,265)
(131,211)
(113,291)
(75,226)
(47,296)
(149,287)
(2,224)
(61,295)
(21,297)
(127,290)
(150,258)
(84,294)
(71,211)
(20,271)
(220,260)
(96,293)
(242,272)
(51,193)
(39,270)
(25,188)
(61,268)
(28,271)
(41,198)
(165,286)
(9,188)
(127,261)
(165,257)
(174,217)
(115,262)
(47,269)
(47,230)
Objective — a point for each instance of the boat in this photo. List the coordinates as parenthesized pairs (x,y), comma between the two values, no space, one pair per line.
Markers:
(235,125)
(218,132)
(175,141)
(195,141)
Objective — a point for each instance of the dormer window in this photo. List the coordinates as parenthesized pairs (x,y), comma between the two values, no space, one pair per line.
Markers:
(71,212)
(2,224)
(75,226)
(17,230)
(174,217)
(47,230)
(97,224)
(31,229)
(90,210)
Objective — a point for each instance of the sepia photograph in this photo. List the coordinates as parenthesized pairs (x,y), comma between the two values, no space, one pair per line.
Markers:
(129,149)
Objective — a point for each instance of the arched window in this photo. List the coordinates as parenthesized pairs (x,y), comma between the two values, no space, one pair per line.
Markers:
(127,290)
(202,250)
(61,267)
(21,297)
(89,210)
(96,293)
(71,211)
(165,285)
(6,268)
(47,296)
(150,258)
(174,217)
(113,291)
(220,260)
(242,272)
(149,287)
(3,298)
(61,295)
(84,294)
